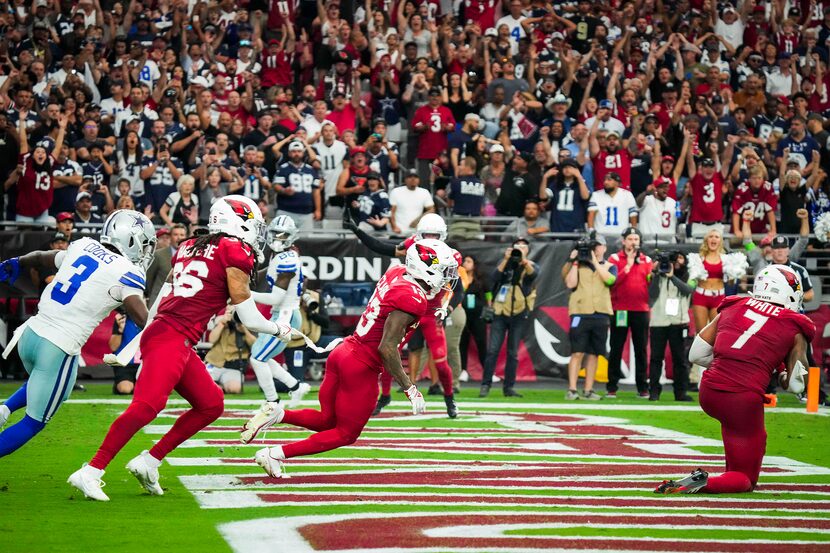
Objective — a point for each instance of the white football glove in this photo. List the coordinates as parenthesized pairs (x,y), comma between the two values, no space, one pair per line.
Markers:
(441,313)
(797,379)
(419,404)
(284,332)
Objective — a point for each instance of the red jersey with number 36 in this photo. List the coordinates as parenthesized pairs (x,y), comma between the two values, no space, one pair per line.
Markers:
(200,284)
(753,340)
(707,199)
(395,291)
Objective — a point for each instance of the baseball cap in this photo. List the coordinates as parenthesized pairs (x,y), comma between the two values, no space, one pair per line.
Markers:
(496,148)
(342,56)
(435,91)
(200,81)
(707,162)
(411,173)
(244,43)
(613,175)
(598,239)
(357,150)
(716,99)
(296,146)
(59,236)
(471,117)
(606,104)
(794,160)
(780,242)
(82,195)
(629,231)
(250,148)
(569,162)
(162,231)
(338,93)
(273,42)
(667,157)
(64,216)
(612,133)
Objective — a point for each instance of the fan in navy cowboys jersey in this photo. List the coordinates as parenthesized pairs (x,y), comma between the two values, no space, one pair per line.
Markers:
(298,188)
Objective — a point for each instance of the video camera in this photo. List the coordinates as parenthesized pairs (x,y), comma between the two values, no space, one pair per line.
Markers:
(665,261)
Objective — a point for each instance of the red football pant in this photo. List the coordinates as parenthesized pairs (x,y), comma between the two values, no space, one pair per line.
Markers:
(169,364)
(348,396)
(436,342)
(741,415)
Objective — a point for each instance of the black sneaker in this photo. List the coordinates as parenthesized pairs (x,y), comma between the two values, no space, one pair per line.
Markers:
(435,390)
(383,401)
(654,396)
(484,391)
(452,410)
(691,484)
(510,392)
(684,397)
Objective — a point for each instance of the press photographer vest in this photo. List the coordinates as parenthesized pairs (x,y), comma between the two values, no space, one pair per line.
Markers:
(515,302)
(591,295)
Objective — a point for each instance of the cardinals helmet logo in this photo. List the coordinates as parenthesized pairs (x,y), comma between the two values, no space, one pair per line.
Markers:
(427,255)
(241,209)
(792,280)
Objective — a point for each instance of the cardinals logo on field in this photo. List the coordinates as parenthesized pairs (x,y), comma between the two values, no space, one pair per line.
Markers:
(427,255)
(241,209)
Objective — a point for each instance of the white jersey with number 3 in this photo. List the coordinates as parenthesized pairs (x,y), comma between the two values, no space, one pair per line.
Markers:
(91,281)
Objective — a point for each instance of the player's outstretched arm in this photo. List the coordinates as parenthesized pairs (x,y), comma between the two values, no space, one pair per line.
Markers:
(277,293)
(383,247)
(240,294)
(394,331)
(792,379)
(136,309)
(10,268)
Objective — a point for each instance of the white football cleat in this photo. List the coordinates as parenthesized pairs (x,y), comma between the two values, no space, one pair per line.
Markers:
(270,413)
(271,465)
(146,475)
(4,415)
(298,394)
(89,483)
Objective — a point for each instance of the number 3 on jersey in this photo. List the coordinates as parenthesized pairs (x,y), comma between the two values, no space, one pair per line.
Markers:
(63,292)
(187,281)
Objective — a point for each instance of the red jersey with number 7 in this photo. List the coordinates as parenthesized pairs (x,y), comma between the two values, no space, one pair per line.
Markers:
(753,340)
(395,291)
(200,284)
(434,140)
(707,199)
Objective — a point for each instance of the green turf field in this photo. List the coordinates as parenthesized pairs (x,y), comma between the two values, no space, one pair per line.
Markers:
(520,481)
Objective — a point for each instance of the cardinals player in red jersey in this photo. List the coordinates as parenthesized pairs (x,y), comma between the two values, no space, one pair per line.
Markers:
(749,340)
(207,271)
(349,390)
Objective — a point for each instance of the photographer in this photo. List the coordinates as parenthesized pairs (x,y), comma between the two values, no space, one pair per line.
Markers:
(590,277)
(515,294)
(629,297)
(315,321)
(669,294)
(228,357)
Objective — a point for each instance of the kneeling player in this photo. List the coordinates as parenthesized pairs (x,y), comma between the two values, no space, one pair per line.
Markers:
(349,390)
(746,343)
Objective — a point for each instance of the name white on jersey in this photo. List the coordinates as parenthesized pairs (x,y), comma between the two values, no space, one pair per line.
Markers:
(91,281)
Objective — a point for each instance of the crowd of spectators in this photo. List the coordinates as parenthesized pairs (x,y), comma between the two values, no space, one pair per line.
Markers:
(626,118)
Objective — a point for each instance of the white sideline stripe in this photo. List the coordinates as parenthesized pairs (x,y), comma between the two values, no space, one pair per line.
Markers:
(234,482)
(498,531)
(478,406)
(245,499)
(281,534)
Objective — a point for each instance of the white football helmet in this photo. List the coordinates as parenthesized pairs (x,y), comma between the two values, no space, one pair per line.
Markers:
(132,234)
(239,216)
(432,262)
(281,233)
(780,285)
(432,224)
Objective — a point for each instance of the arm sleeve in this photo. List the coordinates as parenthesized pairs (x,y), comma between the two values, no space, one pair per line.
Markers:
(701,352)
(382,247)
(653,291)
(797,250)
(59,257)
(684,287)
(274,297)
(250,316)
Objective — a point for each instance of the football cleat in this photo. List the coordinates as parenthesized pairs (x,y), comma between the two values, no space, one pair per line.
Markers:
(297,395)
(383,401)
(146,475)
(4,415)
(691,484)
(89,483)
(274,467)
(269,414)
(452,410)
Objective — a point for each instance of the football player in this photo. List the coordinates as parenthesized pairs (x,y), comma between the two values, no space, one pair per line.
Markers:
(93,278)
(349,390)
(207,271)
(430,226)
(749,340)
(285,277)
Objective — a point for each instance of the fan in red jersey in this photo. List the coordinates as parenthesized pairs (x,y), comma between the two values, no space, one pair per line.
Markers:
(749,340)
(207,271)
(349,390)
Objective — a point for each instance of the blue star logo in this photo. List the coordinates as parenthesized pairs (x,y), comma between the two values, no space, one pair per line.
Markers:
(138,221)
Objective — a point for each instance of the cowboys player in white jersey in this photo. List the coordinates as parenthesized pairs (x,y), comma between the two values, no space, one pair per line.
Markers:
(93,278)
(285,277)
